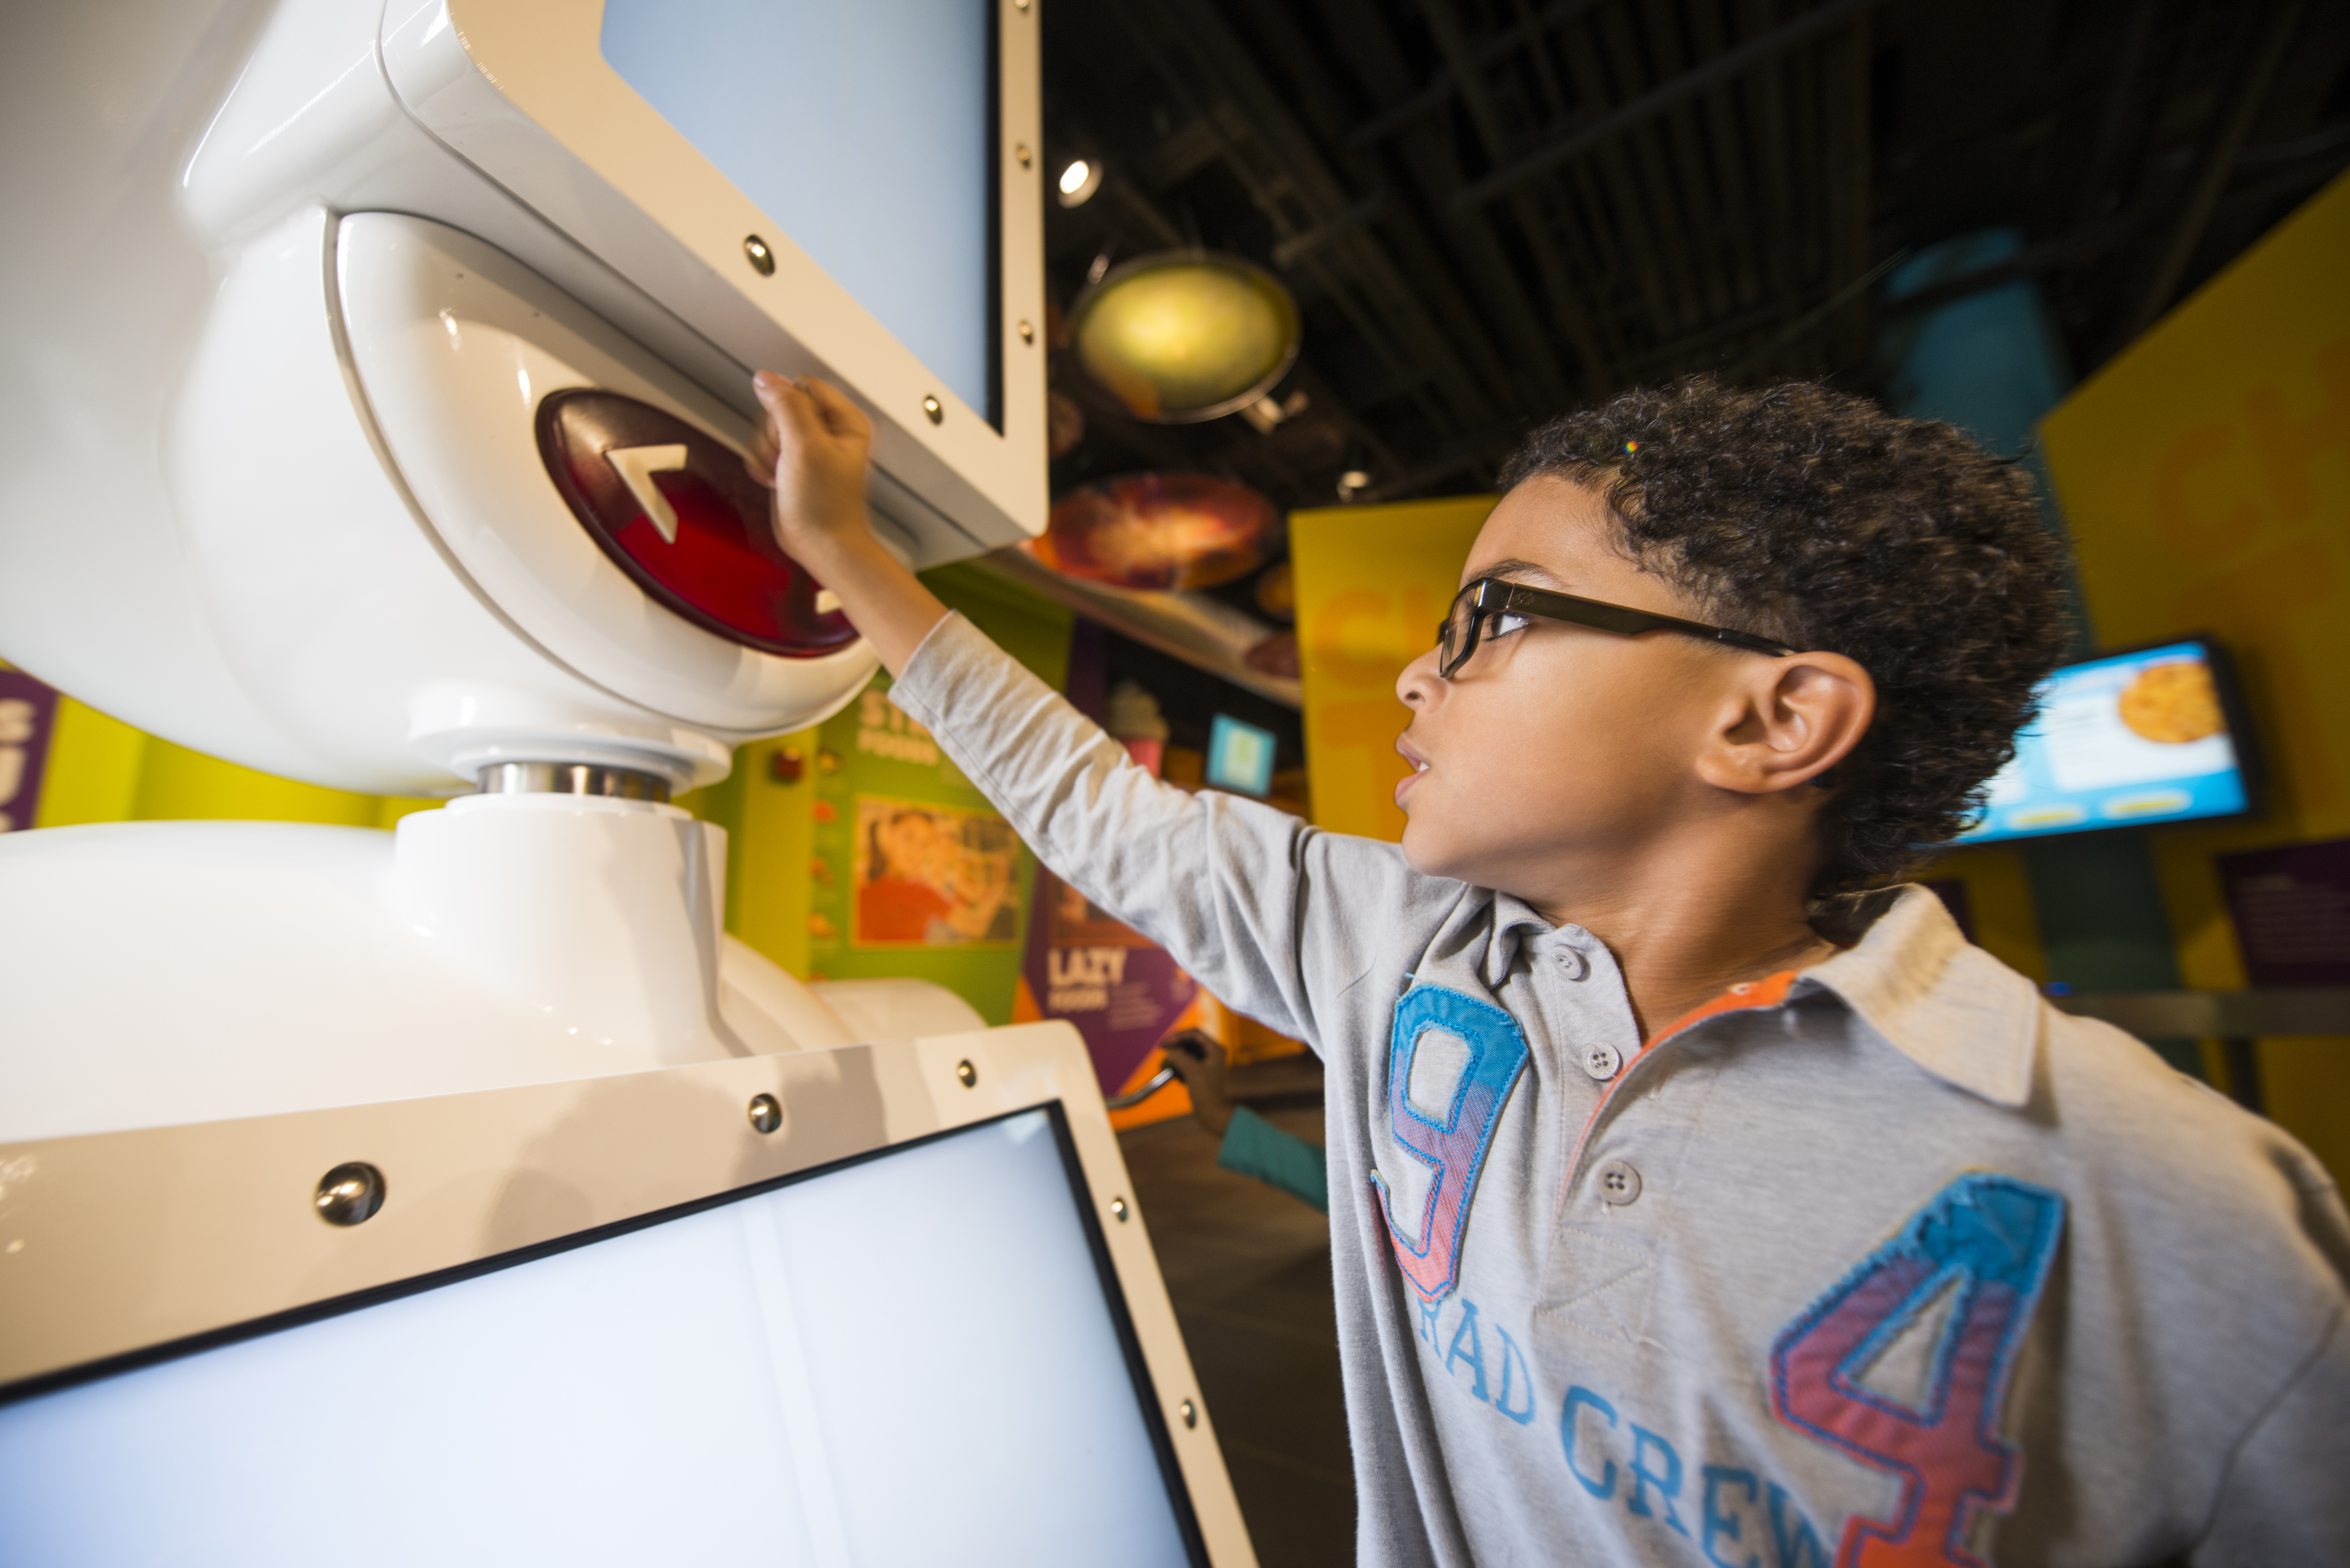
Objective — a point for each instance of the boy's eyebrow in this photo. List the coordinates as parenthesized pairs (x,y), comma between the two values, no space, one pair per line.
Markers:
(1514,567)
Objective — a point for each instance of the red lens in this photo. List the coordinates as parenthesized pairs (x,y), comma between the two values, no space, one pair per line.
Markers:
(712,559)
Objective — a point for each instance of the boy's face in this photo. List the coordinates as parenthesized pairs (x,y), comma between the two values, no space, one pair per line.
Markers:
(1558,747)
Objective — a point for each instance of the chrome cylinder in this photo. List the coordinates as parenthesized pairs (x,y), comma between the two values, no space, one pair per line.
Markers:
(571,778)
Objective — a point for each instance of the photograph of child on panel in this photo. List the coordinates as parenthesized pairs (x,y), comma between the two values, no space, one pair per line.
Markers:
(933,875)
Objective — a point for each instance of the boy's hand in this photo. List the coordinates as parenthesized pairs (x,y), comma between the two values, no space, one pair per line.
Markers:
(810,450)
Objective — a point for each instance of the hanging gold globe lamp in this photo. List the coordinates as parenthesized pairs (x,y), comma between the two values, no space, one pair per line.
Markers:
(1181,336)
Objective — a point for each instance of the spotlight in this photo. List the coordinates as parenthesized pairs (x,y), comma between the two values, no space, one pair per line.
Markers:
(1081,178)
(1353,483)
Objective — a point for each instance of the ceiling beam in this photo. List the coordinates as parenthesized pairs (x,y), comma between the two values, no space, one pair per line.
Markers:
(1543,159)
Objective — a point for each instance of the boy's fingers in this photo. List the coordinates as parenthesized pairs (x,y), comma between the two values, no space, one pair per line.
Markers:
(840,416)
(797,418)
(761,466)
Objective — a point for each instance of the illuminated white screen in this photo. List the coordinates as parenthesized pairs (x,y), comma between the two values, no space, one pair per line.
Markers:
(864,129)
(910,1361)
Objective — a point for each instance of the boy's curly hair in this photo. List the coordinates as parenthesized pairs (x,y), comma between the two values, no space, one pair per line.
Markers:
(1815,517)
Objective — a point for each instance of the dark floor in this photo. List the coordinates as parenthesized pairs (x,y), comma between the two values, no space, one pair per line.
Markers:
(1248,1270)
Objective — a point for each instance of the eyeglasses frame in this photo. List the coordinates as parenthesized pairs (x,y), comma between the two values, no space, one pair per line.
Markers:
(1498,595)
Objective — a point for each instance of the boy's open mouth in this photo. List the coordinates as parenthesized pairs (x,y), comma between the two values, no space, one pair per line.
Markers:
(1404,749)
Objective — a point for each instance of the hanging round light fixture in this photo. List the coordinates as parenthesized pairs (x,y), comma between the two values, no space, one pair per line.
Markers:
(1184,336)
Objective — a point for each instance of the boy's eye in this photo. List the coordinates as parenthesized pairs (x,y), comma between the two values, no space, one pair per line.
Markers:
(1502,625)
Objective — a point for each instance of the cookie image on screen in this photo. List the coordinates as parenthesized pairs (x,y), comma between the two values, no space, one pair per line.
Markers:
(2172,703)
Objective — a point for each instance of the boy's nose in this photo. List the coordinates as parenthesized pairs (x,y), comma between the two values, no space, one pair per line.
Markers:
(1419,683)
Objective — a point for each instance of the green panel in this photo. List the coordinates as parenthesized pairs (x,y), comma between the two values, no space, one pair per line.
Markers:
(869,754)
(1030,628)
(769,827)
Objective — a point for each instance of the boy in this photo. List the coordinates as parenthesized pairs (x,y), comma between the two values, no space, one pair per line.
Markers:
(1692,1199)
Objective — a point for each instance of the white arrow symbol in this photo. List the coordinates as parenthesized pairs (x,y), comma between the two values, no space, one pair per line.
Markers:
(636,466)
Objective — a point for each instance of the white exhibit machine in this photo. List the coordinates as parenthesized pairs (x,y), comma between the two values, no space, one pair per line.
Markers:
(373,377)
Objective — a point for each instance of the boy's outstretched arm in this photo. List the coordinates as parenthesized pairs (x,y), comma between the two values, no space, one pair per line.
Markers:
(811,450)
(1267,913)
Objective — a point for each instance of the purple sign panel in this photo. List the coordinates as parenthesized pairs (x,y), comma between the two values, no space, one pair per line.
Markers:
(1122,991)
(2292,910)
(28,716)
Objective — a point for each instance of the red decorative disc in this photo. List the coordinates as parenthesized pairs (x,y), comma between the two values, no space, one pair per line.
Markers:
(672,507)
(1160,530)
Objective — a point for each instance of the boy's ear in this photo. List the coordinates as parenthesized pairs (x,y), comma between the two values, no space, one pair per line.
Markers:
(1788,721)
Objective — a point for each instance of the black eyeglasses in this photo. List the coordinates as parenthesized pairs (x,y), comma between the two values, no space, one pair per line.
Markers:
(1489,598)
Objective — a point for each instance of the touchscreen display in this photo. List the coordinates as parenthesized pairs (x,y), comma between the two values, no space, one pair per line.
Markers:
(910,1360)
(2136,738)
(865,130)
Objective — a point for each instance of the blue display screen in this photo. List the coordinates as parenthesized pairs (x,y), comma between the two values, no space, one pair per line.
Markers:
(2134,739)
(1240,756)
(865,130)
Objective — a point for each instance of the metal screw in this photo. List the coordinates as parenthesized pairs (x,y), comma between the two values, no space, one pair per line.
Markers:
(935,409)
(1028,333)
(1118,1208)
(1189,1412)
(967,1073)
(1020,4)
(767,1113)
(763,260)
(1022,154)
(348,1194)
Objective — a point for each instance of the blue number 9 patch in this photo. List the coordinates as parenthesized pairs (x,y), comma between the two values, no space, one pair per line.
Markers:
(1453,1140)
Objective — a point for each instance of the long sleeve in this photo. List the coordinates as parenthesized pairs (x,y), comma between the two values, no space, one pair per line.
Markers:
(1274,916)
(2283,1500)
(1254,1146)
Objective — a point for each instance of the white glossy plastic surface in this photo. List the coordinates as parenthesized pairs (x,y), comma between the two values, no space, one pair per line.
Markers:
(455,345)
(167,972)
(202,530)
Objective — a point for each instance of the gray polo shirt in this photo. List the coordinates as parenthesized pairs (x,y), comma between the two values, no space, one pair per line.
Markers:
(1888,1263)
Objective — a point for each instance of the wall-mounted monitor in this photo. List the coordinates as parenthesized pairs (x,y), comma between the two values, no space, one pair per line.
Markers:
(2137,739)
(849,191)
(1240,756)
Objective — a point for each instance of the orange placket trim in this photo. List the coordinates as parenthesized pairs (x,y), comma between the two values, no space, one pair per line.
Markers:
(1769,992)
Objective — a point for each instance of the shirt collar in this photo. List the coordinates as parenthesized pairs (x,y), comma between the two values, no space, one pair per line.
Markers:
(1514,917)
(1920,987)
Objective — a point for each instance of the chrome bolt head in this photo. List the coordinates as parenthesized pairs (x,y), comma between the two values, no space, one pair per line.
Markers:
(348,1194)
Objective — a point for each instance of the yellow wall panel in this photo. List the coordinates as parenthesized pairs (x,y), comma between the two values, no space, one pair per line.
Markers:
(1372,582)
(2206,474)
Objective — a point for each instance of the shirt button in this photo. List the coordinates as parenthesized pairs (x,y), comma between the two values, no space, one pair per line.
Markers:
(1618,1183)
(1602,1061)
(1575,965)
